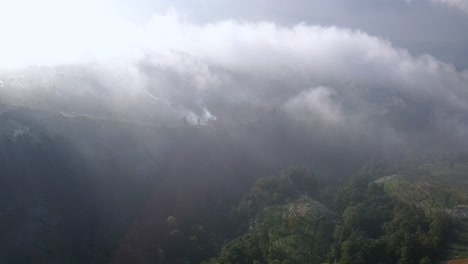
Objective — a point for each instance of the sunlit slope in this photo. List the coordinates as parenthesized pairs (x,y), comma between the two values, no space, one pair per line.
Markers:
(441,184)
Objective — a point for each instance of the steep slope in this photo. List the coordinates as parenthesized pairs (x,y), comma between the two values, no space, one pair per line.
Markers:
(437,184)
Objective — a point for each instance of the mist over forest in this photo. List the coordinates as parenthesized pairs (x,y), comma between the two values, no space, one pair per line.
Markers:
(309,132)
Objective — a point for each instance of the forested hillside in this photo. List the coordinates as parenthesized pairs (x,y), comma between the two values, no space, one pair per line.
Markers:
(82,190)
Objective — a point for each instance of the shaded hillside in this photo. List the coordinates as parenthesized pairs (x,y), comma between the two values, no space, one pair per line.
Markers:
(79,189)
(72,183)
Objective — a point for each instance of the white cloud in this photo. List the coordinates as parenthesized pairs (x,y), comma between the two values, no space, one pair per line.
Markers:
(315,104)
(173,66)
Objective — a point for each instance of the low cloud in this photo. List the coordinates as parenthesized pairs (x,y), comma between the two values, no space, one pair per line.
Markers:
(231,70)
(316,103)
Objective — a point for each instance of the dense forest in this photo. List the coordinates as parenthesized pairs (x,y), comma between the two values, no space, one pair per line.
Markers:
(69,202)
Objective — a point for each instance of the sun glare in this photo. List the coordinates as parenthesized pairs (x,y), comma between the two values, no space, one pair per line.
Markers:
(53,31)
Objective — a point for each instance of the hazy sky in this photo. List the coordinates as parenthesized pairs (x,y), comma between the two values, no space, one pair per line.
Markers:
(51,31)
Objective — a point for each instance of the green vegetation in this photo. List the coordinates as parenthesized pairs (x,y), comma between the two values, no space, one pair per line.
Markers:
(58,205)
(375,228)
(367,226)
(286,225)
